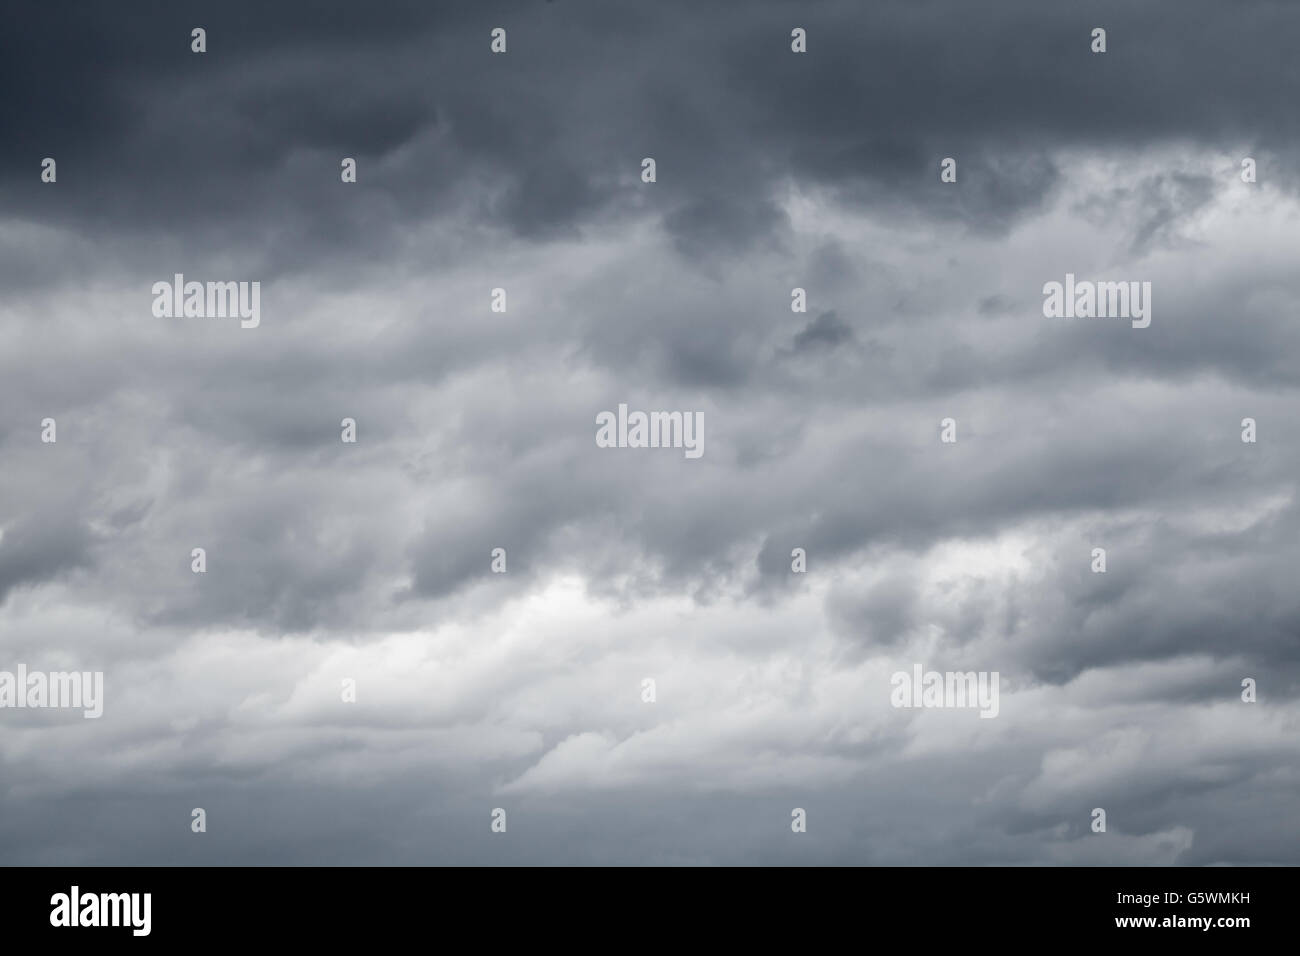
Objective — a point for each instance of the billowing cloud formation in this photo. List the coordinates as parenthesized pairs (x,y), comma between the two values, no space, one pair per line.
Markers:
(371,562)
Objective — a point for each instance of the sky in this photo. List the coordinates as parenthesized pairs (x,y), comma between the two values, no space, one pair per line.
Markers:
(370,562)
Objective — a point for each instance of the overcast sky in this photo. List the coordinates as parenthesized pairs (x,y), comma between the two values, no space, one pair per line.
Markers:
(371,561)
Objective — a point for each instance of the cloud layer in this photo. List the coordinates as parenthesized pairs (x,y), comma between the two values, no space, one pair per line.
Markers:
(371,561)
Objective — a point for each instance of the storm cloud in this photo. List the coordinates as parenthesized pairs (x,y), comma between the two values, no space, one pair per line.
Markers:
(776,171)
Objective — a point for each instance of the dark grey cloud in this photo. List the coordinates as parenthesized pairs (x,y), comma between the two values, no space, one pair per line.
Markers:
(39,547)
(329,561)
(256,126)
(825,331)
